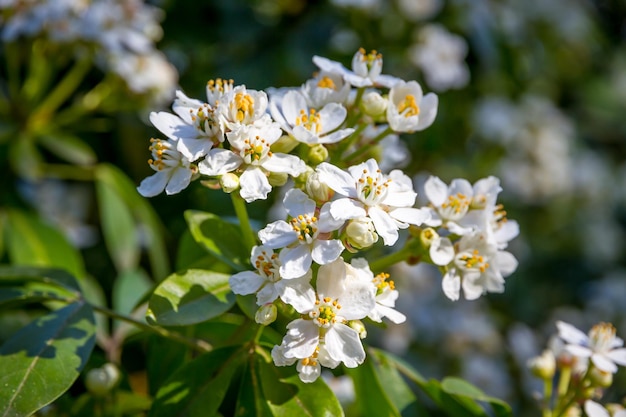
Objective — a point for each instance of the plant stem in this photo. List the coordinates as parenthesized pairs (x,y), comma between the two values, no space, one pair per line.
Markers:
(244,220)
(547,397)
(385,262)
(364,149)
(195,344)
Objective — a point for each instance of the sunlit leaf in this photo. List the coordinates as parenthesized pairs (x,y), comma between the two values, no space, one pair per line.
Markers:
(460,387)
(42,360)
(189,297)
(371,398)
(198,388)
(222,239)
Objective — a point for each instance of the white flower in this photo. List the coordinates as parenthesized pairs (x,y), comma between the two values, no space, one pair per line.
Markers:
(173,171)
(305,124)
(366,69)
(602,346)
(267,283)
(593,409)
(299,237)
(250,148)
(408,110)
(324,88)
(386,293)
(366,191)
(450,203)
(238,106)
(441,56)
(477,267)
(341,296)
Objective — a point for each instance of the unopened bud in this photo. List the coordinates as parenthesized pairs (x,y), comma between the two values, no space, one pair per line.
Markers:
(359,327)
(600,378)
(317,154)
(373,104)
(100,381)
(229,182)
(266,314)
(543,366)
(427,236)
(278,179)
(316,189)
(284,144)
(360,233)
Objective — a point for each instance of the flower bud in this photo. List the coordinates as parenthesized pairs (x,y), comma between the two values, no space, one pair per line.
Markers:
(359,327)
(543,366)
(360,234)
(317,154)
(99,381)
(266,314)
(317,190)
(600,378)
(229,182)
(427,236)
(278,179)
(373,104)
(284,144)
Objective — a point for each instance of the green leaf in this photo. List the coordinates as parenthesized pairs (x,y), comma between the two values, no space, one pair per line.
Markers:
(371,398)
(460,387)
(250,399)
(287,396)
(143,212)
(22,285)
(24,274)
(198,388)
(32,242)
(129,289)
(119,228)
(190,297)
(222,239)
(69,148)
(25,158)
(42,360)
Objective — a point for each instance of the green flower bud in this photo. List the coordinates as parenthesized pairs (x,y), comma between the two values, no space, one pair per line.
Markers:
(317,154)
(316,189)
(284,144)
(229,182)
(600,378)
(359,327)
(266,314)
(360,233)
(100,381)
(373,104)
(543,366)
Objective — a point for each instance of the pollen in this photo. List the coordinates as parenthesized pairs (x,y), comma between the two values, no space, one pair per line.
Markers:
(244,106)
(305,226)
(326,82)
(382,281)
(311,121)
(267,265)
(602,336)
(457,203)
(475,260)
(220,86)
(159,149)
(408,107)
(325,313)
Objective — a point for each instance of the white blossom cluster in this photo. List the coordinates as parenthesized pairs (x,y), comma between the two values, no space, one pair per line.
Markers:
(121,33)
(341,202)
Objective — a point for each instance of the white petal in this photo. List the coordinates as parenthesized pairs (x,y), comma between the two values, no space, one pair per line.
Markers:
(298,293)
(337,179)
(308,373)
(278,234)
(172,126)
(254,185)
(336,136)
(296,202)
(593,409)
(505,262)
(246,282)
(392,314)
(326,251)
(428,111)
(219,161)
(451,285)
(267,294)
(331,279)
(343,344)
(284,163)
(436,190)
(301,340)
(579,351)
(571,334)
(472,289)
(385,226)
(603,363)
(293,101)
(416,216)
(326,222)
(278,355)
(332,116)
(346,208)
(194,149)
(618,356)
(441,251)
(154,184)
(180,179)
(295,262)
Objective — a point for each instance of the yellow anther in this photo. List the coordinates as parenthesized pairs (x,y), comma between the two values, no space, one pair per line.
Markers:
(408,107)
(326,82)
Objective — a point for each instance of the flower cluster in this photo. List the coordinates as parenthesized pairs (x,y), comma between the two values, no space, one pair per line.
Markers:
(585,364)
(322,142)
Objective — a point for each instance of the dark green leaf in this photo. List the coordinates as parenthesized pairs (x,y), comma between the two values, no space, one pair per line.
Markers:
(250,399)
(68,147)
(25,158)
(192,296)
(119,228)
(371,398)
(287,396)
(222,239)
(34,243)
(460,387)
(24,274)
(198,388)
(42,360)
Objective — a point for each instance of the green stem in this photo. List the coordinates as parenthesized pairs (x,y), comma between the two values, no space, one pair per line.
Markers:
(195,344)
(547,397)
(64,89)
(381,264)
(364,149)
(244,220)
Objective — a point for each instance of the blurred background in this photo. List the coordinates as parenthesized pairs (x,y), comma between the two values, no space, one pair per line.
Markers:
(533,92)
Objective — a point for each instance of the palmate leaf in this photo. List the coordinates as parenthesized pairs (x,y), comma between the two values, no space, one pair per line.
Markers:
(222,239)
(190,297)
(41,361)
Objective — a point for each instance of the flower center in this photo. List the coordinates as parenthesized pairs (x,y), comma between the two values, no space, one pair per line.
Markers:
(601,336)
(326,82)
(310,122)
(267,265)
(473,261)
(325,312)
(372,189)
(456,206)
(370,58)
(244,106)
(382,282)
(408,107)
(219,86)
(204,121)
(255,150)
(305,226)
(162,154)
